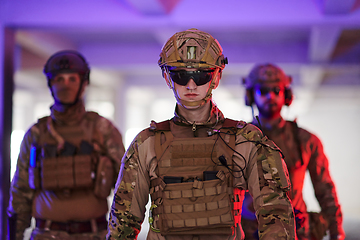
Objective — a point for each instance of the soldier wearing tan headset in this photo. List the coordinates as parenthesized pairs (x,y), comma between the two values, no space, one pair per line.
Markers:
(269,88)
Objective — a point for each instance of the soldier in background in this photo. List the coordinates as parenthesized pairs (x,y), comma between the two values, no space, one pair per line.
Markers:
(197,165)
(68,162)
(269,89)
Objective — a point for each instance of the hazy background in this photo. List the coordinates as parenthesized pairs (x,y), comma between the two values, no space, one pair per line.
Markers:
(317,42)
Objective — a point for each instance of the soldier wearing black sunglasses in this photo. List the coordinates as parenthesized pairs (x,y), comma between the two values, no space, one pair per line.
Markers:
(197,165)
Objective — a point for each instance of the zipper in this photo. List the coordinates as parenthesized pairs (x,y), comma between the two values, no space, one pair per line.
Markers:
(194,130)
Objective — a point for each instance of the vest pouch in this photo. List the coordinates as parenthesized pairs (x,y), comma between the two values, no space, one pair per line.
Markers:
(57,173)
(83,170)
(199,207)
(104,177)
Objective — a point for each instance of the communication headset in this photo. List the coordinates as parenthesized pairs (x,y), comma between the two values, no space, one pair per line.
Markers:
(249,94)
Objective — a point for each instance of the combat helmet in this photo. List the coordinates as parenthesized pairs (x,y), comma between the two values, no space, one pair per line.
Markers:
(194,49)
(66,61)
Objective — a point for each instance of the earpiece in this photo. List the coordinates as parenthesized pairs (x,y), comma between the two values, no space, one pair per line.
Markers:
(288,96)
(288,93)
(166,76)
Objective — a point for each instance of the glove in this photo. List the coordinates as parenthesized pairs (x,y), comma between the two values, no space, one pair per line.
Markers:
(318,225)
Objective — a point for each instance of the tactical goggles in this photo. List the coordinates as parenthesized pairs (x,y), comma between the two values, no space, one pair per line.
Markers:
(263,91)
(200,77)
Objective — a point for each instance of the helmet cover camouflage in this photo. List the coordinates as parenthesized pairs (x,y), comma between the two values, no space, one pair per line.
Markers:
(192,49)
(263,73)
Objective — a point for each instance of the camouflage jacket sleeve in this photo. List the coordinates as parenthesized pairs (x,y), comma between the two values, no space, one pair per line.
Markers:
(268,181)
(324,188)
(20,203)
(131,191)
(112,143)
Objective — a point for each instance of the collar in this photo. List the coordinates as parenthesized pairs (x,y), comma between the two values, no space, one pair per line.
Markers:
(215,117)
(68,115)
(278,123)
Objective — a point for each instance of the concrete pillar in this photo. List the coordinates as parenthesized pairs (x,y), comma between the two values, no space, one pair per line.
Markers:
(7,43)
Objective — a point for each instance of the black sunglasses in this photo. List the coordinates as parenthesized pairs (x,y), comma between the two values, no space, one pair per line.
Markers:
(182,77)
(266,90)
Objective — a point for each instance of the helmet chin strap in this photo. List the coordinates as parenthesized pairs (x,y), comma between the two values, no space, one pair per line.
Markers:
(199,103)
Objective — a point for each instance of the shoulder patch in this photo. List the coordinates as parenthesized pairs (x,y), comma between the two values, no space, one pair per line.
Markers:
(142,136)
(251,132)
(273,166)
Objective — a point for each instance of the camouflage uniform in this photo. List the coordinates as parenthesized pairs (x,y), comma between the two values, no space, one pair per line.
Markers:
(262,180)
(303,151)
(79,205)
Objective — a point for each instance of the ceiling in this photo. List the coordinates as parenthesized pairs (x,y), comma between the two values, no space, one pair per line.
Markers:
(124,37)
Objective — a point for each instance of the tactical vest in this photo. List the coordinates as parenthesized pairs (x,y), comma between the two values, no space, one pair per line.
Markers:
(193,191)
(76,166)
